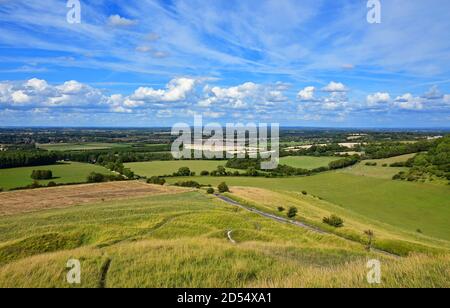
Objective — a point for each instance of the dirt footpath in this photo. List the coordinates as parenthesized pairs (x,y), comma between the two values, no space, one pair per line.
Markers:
(61,197)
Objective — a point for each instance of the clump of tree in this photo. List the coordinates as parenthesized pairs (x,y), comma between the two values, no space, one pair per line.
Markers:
(425,166)
(292,212)
(95,177)
(13,159)
(156,180)
(184,171)
(344,163)
(371,164)
(334,221)
(204,173)
(42,175)
(392,149)
(223,188)
(190,184)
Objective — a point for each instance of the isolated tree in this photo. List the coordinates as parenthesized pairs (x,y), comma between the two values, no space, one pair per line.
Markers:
(210,191)
(281,209)
(370,234)
(223,188)
(292,212)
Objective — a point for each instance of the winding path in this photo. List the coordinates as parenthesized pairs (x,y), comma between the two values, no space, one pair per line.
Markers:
(292,222)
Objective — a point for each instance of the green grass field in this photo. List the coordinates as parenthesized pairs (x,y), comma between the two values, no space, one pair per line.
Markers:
(157,168)
(307,162)
(379,171)
(80,146)
(63,173)
(409,206)
(181,241)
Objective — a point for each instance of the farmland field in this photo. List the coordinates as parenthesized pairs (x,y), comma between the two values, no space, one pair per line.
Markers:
(80,146)
(307,162)
(63,173)
(410,206)
(180,240)
(378,171)
(157,168)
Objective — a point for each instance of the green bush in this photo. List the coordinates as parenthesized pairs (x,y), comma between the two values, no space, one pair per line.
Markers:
(334,221)
(191,184)
(42,175)
(204,173)
(223,188)
(51,184)
(281,209)
(210,191)
(292,212)
(156,180)
(95,177)
(183,171)
(304,192)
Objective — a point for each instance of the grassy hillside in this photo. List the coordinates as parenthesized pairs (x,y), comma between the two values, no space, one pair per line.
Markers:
(180,240)
(62,173)
(307,162)
(410,206)
(379,171)
(157,168)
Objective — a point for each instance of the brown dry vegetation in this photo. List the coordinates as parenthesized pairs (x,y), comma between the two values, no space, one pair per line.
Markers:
(62,197)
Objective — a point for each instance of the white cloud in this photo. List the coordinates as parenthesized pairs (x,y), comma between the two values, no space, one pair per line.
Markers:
(144,48)
(37,84)
(19,97)
(433,93)
(335,87)
(119,21)
(409,102)
(307,94)
(177,90)
(378,98)
(447,98)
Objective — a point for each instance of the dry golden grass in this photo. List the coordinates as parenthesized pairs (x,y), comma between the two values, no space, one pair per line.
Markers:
(26,201)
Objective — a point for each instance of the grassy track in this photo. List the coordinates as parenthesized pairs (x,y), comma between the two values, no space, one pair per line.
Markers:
(180,240)
(307,162)
(410,206)
(62,173)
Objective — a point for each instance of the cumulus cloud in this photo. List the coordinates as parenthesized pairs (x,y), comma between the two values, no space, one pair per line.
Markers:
(243,96)
(433,93)
(39,93)
(176,90)
(335,87)
(307,94)
(409,102)
(378,98)
(119,21)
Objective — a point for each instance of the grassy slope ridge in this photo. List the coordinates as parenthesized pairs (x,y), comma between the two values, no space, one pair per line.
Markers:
(180,241)
(409,206)
(64,173)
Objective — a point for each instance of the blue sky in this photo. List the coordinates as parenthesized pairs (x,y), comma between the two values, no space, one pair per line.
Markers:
(294,62)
